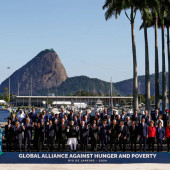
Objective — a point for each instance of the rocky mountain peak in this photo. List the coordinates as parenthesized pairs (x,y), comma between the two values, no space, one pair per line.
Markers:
(43,71)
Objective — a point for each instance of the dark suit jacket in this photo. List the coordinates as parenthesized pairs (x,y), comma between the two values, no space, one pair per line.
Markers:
(18,133)
(13,121)
(62,131)
(38,133)
(146,119)
(135,117)
(123,131)
(103,116)
(70,117)
(165,119)
(155,117)
(9,132)
(113,117)
(73,131)
(104,131)
(160,133)
(114,131)
(143,130)
(32,117)
(84,132)
(133,132)
(50,130)
(94,132)
(28,131)
(61,115)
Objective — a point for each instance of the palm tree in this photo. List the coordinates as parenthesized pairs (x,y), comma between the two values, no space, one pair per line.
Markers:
(155,11)
(147,19)
(167,24)
(115,7)
(162,16)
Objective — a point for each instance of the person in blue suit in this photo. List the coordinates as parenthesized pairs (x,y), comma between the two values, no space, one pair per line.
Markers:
(50,135)
(143,134)
(32,115)
(122,136)
(18,136)
(27,134)
(104,135)
(84,134)
(160,136)
(61,115)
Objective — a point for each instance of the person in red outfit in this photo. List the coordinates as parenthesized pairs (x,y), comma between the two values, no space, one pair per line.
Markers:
(167,135)
(151,135)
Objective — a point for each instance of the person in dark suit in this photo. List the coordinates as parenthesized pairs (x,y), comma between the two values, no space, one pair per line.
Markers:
(13,120)
(127,123)
(151,135)
(122,136)
(96,116)
(143,134)
(113,132)
(104,114)
(123,115)
(71,116)
(38,136)
(43,133)
(118,120)
(94,135)
(167,134)
(27,134)
(88,116)
(61,115)
(86,121)
(166,118)
(45,115)
(99,121)
(56,126)
(114,116)
(50,131)
(66,120)
(135,116)
(52,117)
(160,136)
(38,117)
(133,130)
(147,118)
(155,116)
(84,134)
(18,136)
(62,133)
(104,135)
(80,117)
(108,120)
(32,115)
(76,120)
(9,135)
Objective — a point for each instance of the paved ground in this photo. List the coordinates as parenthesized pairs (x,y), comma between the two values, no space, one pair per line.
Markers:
(85,167)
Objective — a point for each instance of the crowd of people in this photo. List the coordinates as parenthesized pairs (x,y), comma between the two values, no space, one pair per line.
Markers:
(104,131)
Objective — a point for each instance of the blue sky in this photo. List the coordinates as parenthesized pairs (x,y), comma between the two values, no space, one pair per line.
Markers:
(77,31)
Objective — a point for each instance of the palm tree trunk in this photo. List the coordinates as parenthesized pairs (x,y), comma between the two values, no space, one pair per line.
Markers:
(163,71)
(135,78)
(156,65)
(147,76)
(168,47)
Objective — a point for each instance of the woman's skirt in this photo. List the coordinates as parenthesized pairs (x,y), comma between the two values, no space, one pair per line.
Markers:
(72,141)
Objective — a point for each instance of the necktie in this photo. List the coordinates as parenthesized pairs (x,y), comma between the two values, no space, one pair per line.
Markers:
(62,125)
